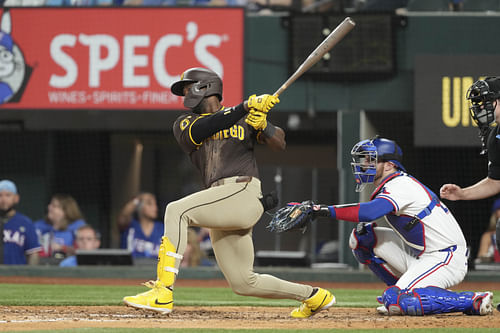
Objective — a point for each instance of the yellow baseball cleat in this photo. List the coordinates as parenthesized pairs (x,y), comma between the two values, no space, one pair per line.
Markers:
(321,300)
(159,298)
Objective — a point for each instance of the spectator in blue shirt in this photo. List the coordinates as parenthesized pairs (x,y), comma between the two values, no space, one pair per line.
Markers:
(19,244)
(87,238)
(141,232)
(56,232)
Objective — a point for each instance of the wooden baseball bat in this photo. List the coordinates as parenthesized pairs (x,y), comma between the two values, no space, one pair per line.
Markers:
(326,45)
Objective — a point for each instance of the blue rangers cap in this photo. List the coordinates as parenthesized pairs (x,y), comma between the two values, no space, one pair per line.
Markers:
(7,185)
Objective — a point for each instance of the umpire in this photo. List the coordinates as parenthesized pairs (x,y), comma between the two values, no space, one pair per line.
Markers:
(484,98)
(220,143)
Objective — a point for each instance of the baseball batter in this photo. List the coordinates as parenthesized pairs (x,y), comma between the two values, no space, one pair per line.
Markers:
(424,251)
(220,143)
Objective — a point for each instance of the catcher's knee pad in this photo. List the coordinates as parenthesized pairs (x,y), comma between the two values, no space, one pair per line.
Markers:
(426,301)
(167,267)
(362,242)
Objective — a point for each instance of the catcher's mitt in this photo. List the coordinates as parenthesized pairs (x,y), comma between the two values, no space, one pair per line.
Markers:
(293,216)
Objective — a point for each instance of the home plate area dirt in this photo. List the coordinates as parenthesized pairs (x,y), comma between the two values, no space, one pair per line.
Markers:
(13,318)
(58,317)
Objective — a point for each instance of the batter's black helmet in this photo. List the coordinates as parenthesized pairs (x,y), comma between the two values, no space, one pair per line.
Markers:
(206,83)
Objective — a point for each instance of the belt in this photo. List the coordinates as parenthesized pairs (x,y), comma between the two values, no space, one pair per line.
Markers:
(237,179)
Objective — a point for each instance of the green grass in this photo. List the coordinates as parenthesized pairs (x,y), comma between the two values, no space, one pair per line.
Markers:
(35,294)
(61,295)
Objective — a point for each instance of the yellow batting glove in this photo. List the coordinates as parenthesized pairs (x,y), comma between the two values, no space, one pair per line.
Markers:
(257,119)
(262,103)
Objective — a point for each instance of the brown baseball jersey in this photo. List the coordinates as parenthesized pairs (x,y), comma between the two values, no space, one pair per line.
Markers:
(227,153)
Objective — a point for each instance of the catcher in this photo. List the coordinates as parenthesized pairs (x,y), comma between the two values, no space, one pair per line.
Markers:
(424,251)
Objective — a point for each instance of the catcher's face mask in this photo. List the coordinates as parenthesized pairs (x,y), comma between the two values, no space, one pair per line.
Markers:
(482,103)
(364,163)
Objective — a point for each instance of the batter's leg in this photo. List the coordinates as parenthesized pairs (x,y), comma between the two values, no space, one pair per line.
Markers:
(234,252)
(160,297)
(234,206)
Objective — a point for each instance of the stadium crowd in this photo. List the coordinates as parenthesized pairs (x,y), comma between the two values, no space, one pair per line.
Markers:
(56,238)
(257,5)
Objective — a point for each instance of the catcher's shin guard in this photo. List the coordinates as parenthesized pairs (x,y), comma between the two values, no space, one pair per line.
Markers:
(435,300)
(362,241)
(167,256)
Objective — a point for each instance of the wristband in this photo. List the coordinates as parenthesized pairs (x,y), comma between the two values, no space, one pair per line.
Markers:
(333,213)
(269,130)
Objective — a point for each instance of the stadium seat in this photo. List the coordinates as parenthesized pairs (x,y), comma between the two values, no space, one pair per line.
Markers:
(427,5)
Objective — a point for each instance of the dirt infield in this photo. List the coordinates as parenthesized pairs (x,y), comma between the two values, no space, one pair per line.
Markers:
(45,317)
(63,317)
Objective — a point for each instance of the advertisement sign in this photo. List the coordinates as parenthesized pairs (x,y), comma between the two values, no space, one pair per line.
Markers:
(115,58)
(441,115)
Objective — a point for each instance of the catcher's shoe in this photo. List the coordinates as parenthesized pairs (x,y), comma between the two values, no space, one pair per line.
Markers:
(321,300)
(482,304)
(159,298)
(382,310)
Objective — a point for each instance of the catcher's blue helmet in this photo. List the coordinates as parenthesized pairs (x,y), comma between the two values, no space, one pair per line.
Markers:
(367,153)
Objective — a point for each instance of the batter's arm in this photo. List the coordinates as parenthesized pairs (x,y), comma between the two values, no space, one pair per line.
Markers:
(207,126)
(276,141)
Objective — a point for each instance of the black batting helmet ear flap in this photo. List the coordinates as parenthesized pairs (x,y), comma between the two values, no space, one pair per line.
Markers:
(194,95)
(205,83)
